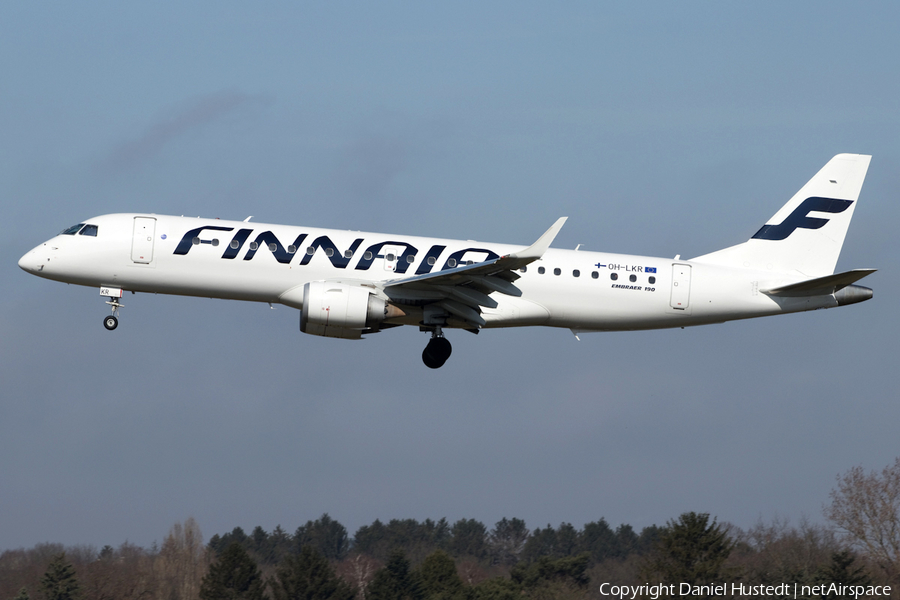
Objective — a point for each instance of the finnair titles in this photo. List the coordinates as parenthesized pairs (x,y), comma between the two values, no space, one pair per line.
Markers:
(350,284)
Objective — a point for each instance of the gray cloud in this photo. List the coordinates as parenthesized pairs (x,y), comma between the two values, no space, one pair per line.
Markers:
(202,111)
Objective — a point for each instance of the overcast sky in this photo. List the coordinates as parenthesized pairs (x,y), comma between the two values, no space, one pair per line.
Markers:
(657,128)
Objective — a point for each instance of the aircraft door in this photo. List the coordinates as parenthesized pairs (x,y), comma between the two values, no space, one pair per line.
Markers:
(681,287)
(142,240)
(391,256)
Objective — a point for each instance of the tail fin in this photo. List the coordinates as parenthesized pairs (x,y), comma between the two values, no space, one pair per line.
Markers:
(794,241)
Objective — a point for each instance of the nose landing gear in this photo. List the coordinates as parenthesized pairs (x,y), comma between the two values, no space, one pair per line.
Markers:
(112,321)
(437,351)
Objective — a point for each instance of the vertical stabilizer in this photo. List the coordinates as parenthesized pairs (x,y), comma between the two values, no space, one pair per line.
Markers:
(806,235)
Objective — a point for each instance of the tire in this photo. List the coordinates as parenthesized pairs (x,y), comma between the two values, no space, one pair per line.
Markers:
(436,353)
(110,322)
(430,361)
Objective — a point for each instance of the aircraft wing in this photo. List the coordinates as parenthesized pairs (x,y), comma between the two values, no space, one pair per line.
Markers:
(463,290)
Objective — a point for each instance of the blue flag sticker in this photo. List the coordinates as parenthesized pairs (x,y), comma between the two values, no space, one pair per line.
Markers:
(649,269)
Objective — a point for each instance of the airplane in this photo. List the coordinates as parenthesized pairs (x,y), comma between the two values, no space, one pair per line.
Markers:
(348,284)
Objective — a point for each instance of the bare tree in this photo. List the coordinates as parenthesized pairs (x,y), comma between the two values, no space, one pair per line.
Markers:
(866,508)
(772,553)
(181,562)
(358,570)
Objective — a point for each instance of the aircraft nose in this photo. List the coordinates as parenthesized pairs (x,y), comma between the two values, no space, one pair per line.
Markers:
(32,262)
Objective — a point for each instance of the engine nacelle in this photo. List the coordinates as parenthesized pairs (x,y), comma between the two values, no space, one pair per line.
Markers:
(340,310)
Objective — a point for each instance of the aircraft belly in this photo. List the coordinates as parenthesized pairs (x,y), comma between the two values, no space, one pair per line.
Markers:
(514,312)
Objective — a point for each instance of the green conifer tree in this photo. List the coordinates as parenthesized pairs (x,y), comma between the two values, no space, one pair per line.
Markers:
(439,579)
(60,582)
(842,571)
(23,595)
(691,550)
(395,581)
(234,576)
(308,576)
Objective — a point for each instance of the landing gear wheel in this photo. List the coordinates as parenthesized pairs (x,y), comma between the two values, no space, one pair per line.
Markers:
(110,322)
(436,352)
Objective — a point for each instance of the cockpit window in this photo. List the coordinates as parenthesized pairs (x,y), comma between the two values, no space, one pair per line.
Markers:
(72,230)
(90,230)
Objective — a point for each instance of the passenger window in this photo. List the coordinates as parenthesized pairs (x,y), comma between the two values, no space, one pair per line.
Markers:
(431,260)
(410,259)
(576,273)
(90,230)
(310,250)
(329,252)
(541,270)
(391,257)
(557,271)
(613,276)
(367,256)
(652,279)
(451,263)
(253,245)
(524,269)
(632,278)
(196,241)
(234,244)
(594,274)
(292,249)
(215,242)
(348,253)
(72,230)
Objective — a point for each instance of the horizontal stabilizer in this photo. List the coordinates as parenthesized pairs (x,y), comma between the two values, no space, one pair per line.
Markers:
(820,285)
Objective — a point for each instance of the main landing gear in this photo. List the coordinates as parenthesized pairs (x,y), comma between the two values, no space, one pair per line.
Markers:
(437,351)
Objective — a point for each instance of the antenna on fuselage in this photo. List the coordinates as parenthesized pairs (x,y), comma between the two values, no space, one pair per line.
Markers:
(247,220)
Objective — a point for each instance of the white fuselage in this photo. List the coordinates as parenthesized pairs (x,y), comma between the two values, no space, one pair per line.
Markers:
(580,290)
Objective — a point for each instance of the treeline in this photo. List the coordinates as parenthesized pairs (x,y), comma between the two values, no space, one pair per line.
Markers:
(507,543)
(405,559)
(434,560)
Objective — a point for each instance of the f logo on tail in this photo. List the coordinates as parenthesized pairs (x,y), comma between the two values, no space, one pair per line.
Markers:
(799,218)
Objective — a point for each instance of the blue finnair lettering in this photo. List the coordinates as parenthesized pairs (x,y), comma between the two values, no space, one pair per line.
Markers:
(340,260)
(373,252)
(457,257)
(188,240)
(268,239)
(799,219)
(237,242)
(430,259)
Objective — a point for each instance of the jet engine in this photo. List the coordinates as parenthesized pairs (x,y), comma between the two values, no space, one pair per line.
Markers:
(341,310)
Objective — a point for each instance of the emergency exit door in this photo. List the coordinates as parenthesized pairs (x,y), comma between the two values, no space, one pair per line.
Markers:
(681,287)
(142,240)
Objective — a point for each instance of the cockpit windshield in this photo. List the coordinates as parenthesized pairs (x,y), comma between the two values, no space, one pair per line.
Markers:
(71,230)
(81,229)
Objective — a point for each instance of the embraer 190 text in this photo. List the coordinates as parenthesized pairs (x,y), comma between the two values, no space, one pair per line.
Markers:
(348,284)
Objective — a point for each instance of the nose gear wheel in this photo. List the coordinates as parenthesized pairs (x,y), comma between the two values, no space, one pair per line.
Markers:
(112,321)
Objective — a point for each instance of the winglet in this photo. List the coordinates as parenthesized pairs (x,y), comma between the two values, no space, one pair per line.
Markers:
(537,249)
